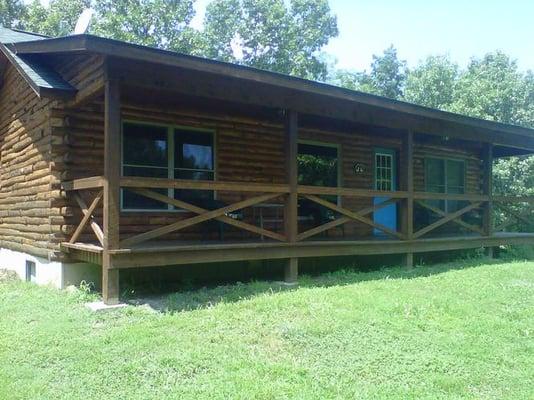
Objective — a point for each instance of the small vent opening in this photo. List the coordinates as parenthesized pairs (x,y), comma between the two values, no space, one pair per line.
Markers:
(30,272)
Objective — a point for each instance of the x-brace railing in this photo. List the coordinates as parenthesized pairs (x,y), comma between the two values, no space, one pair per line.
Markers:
(347,216)
(203,216)
(88,218)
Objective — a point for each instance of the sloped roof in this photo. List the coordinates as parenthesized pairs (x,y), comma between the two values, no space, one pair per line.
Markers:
(32,49)
(39,76)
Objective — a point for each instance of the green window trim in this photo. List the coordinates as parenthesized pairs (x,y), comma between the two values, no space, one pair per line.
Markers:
(445,180)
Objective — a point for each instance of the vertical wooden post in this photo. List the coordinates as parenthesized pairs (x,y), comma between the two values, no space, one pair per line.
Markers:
(291,209)
(407,175)
(112,151)
(487,189)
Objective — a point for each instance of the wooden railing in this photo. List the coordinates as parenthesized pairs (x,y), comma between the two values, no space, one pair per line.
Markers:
(263,192)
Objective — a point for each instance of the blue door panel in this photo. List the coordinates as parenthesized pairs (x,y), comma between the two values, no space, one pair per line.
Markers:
(386,216)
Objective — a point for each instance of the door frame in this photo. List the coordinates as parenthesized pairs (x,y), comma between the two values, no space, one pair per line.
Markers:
(390,152)
(393,153)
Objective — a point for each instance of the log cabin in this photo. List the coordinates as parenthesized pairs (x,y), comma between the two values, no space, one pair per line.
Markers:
(117,156)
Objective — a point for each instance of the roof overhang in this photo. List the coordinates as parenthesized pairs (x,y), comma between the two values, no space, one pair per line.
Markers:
(43,80)
(428,120)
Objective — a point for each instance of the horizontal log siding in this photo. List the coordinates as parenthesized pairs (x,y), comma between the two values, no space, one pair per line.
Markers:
(30,199)
(248,150)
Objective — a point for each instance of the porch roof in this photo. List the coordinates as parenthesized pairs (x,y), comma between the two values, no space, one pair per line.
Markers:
(293,92)
(43,79)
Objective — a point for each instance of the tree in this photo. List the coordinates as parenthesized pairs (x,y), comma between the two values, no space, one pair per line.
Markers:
(11,12)
(492,88)
(158,23)
(387,76)
(280,36)
(57,19)
(432,83)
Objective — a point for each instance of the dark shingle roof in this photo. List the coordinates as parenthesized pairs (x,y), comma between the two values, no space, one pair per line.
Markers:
(40,76)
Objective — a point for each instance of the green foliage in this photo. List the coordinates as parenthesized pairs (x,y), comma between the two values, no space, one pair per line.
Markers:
(11,12)
(492,88)
(56,19)
(157,23)
(387,76)
(432,83)
(275,35)
(450,331)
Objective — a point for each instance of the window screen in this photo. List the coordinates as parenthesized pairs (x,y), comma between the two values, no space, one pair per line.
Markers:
(445,176)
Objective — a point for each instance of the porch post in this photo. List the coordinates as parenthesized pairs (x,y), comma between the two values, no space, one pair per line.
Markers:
(407,185)
(112,145)
(487,189)
(291,211)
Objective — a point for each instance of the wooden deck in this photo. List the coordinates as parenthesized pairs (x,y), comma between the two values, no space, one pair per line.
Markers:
(161,253)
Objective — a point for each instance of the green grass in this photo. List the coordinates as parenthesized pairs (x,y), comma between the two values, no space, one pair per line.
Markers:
(451,331)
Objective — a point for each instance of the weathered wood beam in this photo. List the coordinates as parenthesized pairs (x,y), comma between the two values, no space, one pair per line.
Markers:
(349,192)
(456,221)
(88,217)
(343,220)
(198,210)
(83,183)
(444,220)
(291,206)
(447,196)
(407,184)
(163,183)
(353,215)
(487,189)
(111,224)
(143,237)
(291,148)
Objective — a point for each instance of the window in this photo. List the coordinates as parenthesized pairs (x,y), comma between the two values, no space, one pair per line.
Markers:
(193,155)
(317,165)
(384,177)
(30,272)
(145,154)
(157,151)
(445,176)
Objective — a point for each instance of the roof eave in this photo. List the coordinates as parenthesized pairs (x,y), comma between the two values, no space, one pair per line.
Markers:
(40,91)
(90,43)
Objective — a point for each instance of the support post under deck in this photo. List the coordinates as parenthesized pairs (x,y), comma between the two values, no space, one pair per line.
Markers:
(291,209)
(111,214)
(487,188)
(407,185)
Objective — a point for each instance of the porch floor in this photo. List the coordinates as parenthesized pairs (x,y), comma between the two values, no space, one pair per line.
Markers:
(159,253)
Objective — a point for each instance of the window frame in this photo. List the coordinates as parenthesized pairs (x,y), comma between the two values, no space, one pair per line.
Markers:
(337,146)
(171,162)
(445,176)
(390,152)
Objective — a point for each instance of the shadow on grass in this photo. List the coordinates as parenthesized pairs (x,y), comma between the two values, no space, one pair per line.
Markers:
(203,297)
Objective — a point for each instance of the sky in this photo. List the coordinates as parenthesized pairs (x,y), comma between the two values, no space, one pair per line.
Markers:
(418,28)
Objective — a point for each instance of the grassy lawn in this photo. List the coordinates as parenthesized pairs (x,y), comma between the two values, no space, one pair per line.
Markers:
(451,331)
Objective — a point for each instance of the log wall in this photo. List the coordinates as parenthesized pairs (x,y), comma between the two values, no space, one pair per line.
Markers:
(45,142)
(247,150)
(28,190)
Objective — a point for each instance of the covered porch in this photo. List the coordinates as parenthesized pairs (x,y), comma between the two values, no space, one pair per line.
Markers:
(268,219)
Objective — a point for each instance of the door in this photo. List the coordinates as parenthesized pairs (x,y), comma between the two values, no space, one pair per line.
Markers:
(385,177)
